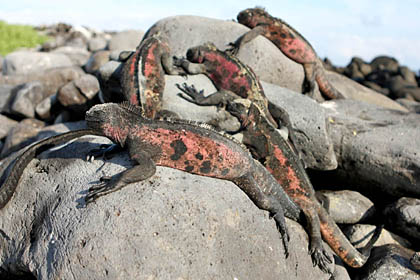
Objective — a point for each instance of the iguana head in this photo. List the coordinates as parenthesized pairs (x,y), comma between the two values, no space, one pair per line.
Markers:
(197,54)
(253,17)
(114,120)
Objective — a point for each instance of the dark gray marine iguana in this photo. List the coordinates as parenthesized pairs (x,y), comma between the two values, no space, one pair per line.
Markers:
(290,42)
(188,146)
(269,147)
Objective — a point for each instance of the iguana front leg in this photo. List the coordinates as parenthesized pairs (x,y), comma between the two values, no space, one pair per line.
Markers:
(168,63)
(144,169)
(245,38)
(189,67)
(221,97)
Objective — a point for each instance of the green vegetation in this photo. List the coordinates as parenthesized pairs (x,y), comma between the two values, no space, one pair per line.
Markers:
(13,36)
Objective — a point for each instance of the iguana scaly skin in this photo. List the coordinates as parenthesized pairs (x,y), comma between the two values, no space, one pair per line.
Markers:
(227,73)
(291,44)
(187,146)
(268,146)
(143,74)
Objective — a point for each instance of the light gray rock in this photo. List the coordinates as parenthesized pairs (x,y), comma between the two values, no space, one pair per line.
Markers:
(6,125)
(356,91)
(96,60)
(21,135)
(6,92)
(411,105)
(126,40)
(24,62)
(27,97)
(69,95)
(44,108)
(403,217)
(389,262)
(88,85)
(79,56)
(377,149)
(360,234)
(170,226)
(109,81)
(309,121)
(97,44)
(346,207)
(51,79)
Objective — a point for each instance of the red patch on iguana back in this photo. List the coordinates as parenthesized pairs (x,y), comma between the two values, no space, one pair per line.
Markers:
(228,74)
(186,150)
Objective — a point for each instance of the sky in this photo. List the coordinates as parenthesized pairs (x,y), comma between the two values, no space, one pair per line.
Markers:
(339,29)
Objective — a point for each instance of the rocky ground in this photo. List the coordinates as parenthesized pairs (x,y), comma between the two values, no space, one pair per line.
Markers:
(362,155)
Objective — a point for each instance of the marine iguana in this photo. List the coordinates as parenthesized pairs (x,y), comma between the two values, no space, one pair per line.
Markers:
(269,147)
(233,79)
(290,42)
(192,147)
(143,74)
(227,73)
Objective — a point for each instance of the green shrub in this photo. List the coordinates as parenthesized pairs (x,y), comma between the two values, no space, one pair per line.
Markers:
(13,36)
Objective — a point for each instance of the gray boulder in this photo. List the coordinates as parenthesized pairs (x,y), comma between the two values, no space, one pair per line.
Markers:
(97,44)
(24,62)
(360,234)
(377,149)
(126,40)
(52,79)
(403,216)
(21,135)
(26,98)
(346,207)
(7,124)
(79,56)
(96,60)
(389,262)
(170,226)
(6,93)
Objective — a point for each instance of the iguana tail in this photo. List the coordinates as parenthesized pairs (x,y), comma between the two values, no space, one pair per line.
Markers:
(12,180)
(324,84)
(341,245)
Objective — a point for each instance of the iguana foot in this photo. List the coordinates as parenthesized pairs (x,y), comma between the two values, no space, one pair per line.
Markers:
(282,228)
(320,257)
(233,50)
(177,61)
(107,185)
(191,91)
(106,151)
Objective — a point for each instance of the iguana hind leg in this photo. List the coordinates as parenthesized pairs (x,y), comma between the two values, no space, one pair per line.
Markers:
(249,185)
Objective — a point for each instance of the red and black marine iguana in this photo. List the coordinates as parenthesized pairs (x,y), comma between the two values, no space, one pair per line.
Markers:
(270,148)
(231,77)
(191,147)
(143,74)
(290,43)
